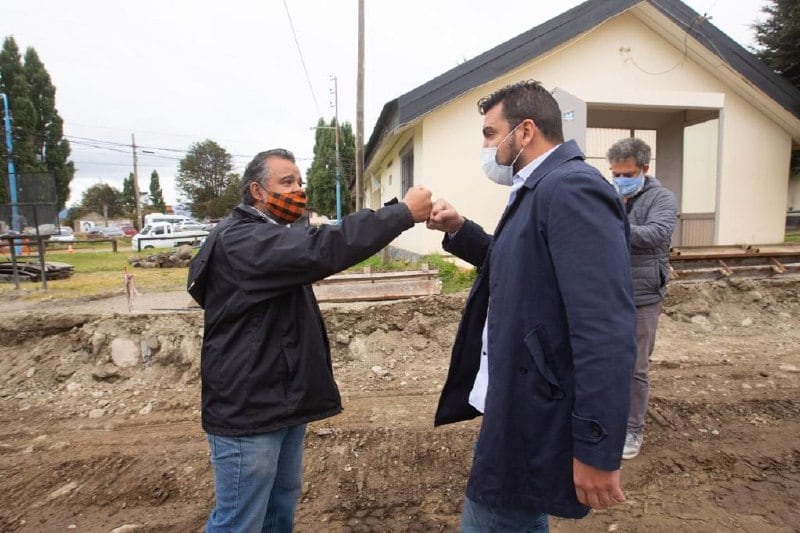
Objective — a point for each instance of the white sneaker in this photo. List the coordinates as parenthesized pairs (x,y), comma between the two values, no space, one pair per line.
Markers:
(633,445)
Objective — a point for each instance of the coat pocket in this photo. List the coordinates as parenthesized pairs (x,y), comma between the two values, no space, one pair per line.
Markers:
(545,381)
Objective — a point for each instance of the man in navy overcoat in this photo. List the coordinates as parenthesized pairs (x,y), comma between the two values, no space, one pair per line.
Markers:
(546,344)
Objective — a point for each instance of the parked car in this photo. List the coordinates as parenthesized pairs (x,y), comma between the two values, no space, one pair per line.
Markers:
(102,232)
(189,225)
(129,231)
(62,234)
(164,235)
(208,226)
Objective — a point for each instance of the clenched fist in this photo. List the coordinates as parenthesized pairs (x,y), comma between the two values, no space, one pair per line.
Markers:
(444,217)
(418,201)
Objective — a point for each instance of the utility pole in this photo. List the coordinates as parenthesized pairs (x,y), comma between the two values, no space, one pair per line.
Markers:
(338,160)
(360,110)
(12,176)
(136,199)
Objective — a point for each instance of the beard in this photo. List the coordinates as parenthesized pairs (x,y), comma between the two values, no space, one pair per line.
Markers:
(513,155)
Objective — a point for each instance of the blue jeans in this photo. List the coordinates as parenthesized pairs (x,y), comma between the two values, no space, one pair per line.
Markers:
(257,481)
(478,518)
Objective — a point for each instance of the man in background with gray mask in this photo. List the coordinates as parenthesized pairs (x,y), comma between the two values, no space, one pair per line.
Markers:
(652,212)
(546,345)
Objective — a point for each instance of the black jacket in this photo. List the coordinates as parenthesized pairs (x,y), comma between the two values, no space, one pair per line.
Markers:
(265,361)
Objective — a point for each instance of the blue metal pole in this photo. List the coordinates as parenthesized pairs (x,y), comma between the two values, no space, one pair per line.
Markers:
(338,176)
(338,196)
(12,176)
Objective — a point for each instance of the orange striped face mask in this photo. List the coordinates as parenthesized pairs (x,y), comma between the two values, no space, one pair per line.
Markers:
(286,208)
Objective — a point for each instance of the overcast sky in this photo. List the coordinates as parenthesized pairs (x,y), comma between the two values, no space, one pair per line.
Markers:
(182,71)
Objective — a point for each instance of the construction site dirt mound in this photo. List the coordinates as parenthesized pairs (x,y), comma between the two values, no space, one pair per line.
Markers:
(100,422)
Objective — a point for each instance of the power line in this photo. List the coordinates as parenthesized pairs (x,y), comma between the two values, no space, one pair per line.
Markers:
(116,146)
(101,163)
(76,139)
(302,61)
(127,146)
(82,147)
(73,123)
(90,145)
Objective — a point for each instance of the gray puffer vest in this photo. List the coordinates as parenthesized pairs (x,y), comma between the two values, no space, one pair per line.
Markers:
(652,213)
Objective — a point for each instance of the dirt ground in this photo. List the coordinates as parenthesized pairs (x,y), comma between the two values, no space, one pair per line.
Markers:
(100,429)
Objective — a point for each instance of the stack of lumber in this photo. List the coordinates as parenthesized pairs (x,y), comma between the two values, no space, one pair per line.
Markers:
(32,271)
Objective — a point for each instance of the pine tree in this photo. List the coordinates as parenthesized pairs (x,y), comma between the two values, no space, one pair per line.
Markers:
(156,194)
(37,129)
(347,155)
(52,150)
(321,188)
(23,114)
(129,196)
(779,37)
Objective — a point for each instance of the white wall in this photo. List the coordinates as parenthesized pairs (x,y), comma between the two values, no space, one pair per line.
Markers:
(389,172)
(700,168)
(752,189)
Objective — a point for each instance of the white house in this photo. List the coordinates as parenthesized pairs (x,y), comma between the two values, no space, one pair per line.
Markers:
(722,124)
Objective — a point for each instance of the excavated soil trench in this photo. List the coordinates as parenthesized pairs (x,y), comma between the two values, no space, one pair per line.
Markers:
(99,420)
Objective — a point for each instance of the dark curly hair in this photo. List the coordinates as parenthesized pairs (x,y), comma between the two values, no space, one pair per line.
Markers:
(629,148)
(527,99)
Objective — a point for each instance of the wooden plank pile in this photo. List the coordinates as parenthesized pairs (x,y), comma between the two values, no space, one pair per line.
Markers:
(373,286)
(717,262)
(32,271)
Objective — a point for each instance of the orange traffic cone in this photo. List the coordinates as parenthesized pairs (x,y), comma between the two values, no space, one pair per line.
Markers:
(70,250)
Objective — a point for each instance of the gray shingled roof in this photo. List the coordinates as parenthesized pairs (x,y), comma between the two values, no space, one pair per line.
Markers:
(556,31)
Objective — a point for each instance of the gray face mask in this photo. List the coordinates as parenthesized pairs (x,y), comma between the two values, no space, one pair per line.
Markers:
(500,174)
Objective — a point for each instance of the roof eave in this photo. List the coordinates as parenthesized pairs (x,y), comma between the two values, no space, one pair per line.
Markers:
(386,122)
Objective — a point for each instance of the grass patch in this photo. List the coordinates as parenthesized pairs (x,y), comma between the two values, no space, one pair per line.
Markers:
(377,264)
(88,261)
(98,274)
(453,278)
(792,237)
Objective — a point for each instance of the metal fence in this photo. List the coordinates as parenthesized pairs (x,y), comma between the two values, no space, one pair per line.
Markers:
(36,204)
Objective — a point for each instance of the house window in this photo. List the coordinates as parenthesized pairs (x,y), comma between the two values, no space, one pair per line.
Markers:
(407,167)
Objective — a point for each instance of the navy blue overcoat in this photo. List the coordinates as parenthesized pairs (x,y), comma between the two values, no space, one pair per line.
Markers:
(555,277)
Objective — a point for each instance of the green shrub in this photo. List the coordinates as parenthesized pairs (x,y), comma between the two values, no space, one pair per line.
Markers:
(377,264)
(453,277)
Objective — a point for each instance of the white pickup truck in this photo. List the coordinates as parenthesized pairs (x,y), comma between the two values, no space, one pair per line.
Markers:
(165,235)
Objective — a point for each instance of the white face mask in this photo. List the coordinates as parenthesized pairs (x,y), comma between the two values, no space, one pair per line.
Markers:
(500,174)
